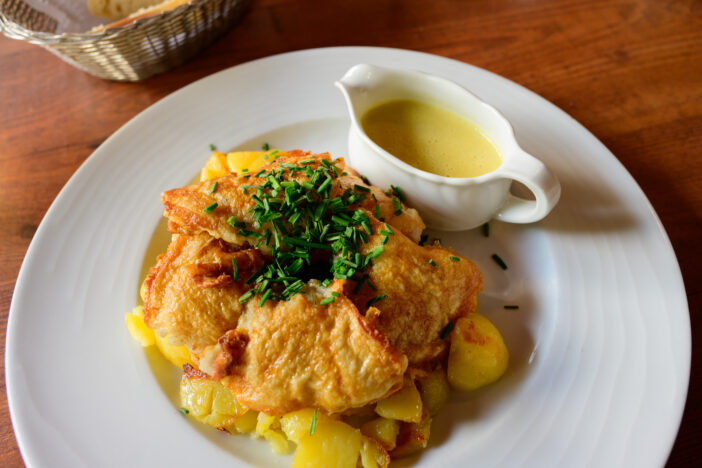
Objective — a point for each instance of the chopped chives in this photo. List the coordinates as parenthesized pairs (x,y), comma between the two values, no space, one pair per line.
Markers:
(486,230)
(398,191)
(375,299)
(212,147)
(210,208)
(511,307)
(184,410)
(364,179)
(214,186)
(265,297)
(499,261)
(361,188)
(398,205)
(376,212)
(375,252)
(235,270)
(432,263)
(454,258)
(447,329)
(266,147)
(326,301)
(313,425)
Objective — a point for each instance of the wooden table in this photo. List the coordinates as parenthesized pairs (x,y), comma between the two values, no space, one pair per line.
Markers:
(628,70)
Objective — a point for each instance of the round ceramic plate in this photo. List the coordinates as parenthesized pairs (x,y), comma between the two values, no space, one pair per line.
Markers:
(600,343)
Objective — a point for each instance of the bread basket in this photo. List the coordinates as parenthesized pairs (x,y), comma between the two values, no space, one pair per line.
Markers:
(133,52)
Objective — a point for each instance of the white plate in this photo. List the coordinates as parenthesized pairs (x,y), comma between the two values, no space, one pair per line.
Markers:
(600,345)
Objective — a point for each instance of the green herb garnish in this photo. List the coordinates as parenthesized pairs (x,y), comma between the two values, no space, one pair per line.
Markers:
(266,147)
(313,425)
(499,261)
(432,263)
(375,299)
(453,258)
(235,270)
(511,307)
(398,191)
(309,233)
(447,329)
(486,230)
(210,208)
(184,410)
(212,147)
(398,205)
(214,186)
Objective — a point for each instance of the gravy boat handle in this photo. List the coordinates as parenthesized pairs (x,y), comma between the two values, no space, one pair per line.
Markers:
(531,172)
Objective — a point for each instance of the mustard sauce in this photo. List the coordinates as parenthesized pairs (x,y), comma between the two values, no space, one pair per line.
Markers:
(431,139)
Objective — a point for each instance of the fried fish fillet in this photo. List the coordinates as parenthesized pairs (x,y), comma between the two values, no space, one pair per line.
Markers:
(185,207)
(424,288)
(284,356)
(190,294)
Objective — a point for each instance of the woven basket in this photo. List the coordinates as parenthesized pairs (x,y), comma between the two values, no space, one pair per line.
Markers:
(134,52)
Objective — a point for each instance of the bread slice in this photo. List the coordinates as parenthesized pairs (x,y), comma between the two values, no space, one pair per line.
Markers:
(118,9)
(157,6)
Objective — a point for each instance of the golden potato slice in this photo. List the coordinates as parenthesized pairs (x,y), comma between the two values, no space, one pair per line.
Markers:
(478,354)
(435,391)
(245,423)
(405,405)
(332,443)
(243,162)
(215,167)
(413,437)
(373,455)
(177,355)
(209,402)
(138,329)
(382,430)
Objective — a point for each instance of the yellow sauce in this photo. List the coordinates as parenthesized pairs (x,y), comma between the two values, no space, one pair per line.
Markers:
(431,139)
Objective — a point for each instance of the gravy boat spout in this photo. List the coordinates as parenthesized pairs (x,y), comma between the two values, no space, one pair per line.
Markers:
(446,203)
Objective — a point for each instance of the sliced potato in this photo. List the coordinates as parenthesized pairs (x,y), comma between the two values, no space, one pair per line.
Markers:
(138,329)
(405,405)
(373,455)
(210,402)
(215,167)
(242,162)
(382,430)
(413,437)
(245,423)
(332,444)
(478,355)
(435,391)
(177,355)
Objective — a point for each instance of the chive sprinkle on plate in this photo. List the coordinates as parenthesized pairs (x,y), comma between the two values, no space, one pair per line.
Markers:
(499,261)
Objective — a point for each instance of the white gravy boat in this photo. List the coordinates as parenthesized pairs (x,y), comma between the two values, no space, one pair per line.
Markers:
(446,203)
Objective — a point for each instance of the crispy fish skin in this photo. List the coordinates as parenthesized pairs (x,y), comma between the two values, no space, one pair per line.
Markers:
(285,356)
(421,298)
(185,207)
(190,294)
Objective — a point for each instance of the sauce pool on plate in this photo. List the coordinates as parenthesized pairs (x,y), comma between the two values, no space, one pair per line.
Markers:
(431,139)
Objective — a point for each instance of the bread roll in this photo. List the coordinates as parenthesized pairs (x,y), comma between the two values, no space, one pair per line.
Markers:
(138,13)
(118,9)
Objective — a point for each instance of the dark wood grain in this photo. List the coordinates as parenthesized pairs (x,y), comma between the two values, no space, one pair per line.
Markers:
(628,70)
